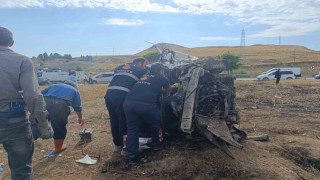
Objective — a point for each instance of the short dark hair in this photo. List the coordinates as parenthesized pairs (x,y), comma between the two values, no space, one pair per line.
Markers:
(5,37)
(156,68)
(70,83)
(142,60)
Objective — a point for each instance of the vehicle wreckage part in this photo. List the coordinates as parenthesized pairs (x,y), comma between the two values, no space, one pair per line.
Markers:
(187,115)
(204,102)
(219,128)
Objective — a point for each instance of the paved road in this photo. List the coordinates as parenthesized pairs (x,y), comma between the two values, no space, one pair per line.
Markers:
(255,79)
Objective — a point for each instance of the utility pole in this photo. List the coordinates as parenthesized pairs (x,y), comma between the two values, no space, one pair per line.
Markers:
(243,44)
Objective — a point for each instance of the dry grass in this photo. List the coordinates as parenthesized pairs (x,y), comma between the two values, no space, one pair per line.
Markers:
(289,113)
(258,54)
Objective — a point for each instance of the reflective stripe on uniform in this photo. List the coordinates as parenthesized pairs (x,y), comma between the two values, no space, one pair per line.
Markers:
(119,88)
(126,74)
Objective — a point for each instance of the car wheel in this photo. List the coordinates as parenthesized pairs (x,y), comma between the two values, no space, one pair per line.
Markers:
(289,78)
(94,82)
(265,79)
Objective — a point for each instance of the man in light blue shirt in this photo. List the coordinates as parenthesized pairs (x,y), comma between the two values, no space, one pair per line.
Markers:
(73,77)
(58,98)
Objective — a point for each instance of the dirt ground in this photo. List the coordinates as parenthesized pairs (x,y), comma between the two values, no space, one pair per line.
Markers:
(289,113)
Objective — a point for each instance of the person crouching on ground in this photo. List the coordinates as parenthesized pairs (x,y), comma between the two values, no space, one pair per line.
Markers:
(58,98)
(141,105)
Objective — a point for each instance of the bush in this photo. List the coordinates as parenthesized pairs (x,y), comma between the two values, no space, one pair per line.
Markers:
(78,68)
(152,56)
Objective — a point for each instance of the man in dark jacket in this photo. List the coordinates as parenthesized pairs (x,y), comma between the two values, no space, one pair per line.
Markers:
(277,75)
(125,76)
(19,91)
(141,105)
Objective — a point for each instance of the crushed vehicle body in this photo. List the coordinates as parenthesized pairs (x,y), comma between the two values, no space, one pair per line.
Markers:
(204,103)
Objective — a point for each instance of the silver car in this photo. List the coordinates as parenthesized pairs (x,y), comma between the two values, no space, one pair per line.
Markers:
(102,78)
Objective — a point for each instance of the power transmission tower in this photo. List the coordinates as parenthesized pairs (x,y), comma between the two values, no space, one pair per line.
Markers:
(243,44)
(280,40)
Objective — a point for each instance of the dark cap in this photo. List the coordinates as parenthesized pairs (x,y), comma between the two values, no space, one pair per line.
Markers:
(142,60)
(5,37)
(156,68)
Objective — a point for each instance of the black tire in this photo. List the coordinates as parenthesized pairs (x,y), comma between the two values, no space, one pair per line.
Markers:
(265,79)
(289,78)
(94,82)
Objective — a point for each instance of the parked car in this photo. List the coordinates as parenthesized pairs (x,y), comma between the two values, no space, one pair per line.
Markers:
(317,76)
(270,76)
(295,70)
(102,78)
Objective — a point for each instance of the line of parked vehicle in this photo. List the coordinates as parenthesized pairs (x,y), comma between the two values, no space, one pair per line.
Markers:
(286,74)
(56,75)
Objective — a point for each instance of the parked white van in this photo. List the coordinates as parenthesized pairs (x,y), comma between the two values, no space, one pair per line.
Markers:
(102,78)
(295,70)
(56,75)
(285,74)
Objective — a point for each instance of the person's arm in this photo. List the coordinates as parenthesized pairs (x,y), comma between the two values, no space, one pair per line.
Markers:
(80,120)
(76,105)
(45,90)
(166,86)
(170,88)
(34,99)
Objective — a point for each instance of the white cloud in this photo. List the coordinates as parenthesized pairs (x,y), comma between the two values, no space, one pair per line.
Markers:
(279,15)
(123,22)
(20,3)
(219,39)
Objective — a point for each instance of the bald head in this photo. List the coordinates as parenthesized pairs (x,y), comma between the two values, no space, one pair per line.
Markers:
(5,37)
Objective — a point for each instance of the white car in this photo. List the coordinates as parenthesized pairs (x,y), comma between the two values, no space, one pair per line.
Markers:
(295,70)
(270,76)
(102,78)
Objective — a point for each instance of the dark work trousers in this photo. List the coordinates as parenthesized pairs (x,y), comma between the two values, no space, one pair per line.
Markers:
(19,145)
(117,118)
(136,112)
(58,115)
(278,80)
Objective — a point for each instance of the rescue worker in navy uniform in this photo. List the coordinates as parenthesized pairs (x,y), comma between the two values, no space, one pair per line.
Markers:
(125,76)
(277,75)
(141,106)
(17,74)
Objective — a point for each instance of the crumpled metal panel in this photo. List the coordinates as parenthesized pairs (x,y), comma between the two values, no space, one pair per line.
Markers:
(219,128)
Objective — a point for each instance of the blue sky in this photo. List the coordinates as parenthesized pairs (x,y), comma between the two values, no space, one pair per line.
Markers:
(104,27)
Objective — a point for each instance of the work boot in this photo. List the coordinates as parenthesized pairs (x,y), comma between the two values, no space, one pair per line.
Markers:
(134,160)
(117,148)
(59,146)
(124,152)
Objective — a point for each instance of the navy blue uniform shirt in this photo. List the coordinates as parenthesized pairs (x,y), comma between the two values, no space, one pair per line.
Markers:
(65,92)
(125,76)
(148,88)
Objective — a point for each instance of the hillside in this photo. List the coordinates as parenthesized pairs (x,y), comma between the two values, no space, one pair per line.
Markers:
(256,58)
(163,46)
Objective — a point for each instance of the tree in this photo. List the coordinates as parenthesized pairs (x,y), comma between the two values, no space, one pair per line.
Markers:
(230,60)
(45,56)
(152,56)
(78,68)
(40,56)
